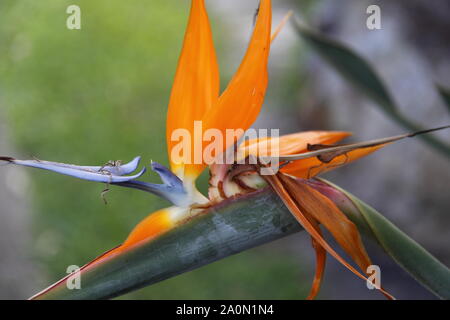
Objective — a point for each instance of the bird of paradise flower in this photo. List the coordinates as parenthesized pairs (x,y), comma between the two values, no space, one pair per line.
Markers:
(195,97)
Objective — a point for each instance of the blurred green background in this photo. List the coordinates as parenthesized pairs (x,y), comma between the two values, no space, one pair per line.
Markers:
(100,93)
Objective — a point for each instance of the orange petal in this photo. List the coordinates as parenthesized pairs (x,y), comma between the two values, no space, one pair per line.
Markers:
(152,226)
(241,102)
(308,168)
(196,85)
(291,143)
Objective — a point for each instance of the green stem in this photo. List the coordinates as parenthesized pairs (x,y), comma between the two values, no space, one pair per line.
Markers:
(236,225)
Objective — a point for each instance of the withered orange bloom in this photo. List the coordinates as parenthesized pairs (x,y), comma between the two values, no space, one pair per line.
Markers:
(195,97)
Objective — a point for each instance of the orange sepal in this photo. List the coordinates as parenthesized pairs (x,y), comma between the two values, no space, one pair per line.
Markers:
(241,102)
(308,168)
(155,224)
(152,226)
(291,143)
(196,84)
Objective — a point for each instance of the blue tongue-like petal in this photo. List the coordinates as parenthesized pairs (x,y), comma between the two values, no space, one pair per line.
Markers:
(108,173)
(171,189)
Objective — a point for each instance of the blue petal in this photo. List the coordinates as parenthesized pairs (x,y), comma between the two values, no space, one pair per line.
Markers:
(172,188)
(106,174)
(118,170)
(167,176)
(178,197)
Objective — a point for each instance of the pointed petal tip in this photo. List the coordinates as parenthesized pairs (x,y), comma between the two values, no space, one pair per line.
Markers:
(8,159)
(281,25)
(130,166)
(167,176)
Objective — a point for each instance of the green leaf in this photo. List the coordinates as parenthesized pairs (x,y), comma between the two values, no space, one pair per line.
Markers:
(350,65)
(237,225)
(407,253)
(445,94)
(362,75)
(226,229)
